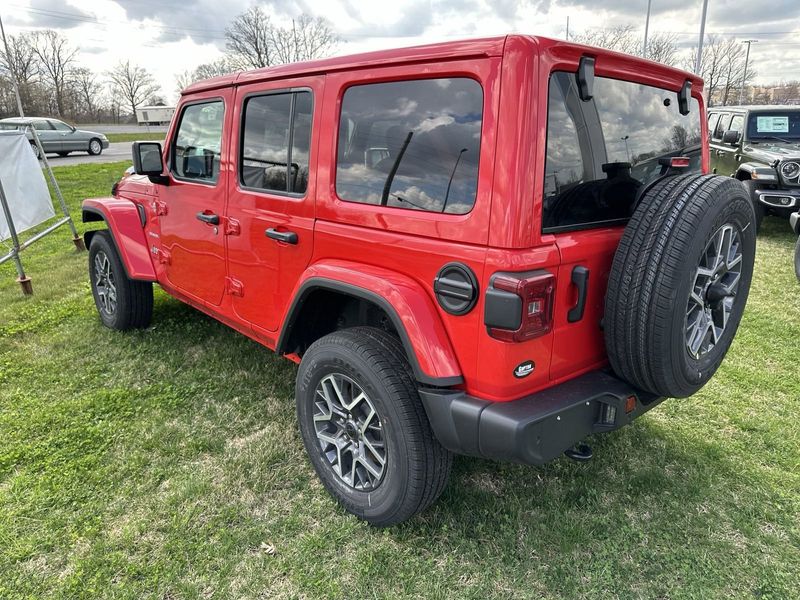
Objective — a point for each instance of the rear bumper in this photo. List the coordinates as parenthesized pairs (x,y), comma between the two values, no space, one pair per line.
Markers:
(539,427)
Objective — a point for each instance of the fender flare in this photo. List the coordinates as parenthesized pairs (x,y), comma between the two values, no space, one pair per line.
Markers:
(410,309)
(766,173)
(124,222)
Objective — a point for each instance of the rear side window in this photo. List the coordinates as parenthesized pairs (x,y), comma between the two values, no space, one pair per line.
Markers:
(411,144)
(276,137)
(601,153)
(196,150)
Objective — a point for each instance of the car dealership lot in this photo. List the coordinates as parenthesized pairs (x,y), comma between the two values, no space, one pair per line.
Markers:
(166,463)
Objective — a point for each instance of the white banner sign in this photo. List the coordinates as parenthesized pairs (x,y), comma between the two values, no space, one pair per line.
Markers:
(23,183)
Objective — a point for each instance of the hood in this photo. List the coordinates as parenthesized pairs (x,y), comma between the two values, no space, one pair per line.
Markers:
(769,151)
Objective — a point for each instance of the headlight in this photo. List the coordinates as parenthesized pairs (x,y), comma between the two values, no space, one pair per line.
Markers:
(790,170)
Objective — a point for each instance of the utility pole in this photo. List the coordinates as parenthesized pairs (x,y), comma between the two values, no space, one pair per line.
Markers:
(646,29)
(702,36)
(14,81)
(744,75)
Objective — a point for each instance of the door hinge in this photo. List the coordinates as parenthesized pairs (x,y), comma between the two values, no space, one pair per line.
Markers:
(232,227)
(160,208)
(162,256)
(234,287)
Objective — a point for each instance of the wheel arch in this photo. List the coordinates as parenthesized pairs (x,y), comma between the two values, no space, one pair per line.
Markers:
(124,223)
(409,310)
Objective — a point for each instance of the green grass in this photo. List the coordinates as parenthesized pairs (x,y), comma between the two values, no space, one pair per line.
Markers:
(166,464)
(144,136)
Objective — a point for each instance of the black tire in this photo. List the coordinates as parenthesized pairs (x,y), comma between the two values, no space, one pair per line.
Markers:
(797,259)
(36,152)
(758,208)
(133,300)
(63,154)
(416,467)
(95,147)
(654,272)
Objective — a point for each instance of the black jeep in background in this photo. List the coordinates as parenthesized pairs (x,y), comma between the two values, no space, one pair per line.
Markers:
(759,145)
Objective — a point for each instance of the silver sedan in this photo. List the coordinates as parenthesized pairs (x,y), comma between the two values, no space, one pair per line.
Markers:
(58,137)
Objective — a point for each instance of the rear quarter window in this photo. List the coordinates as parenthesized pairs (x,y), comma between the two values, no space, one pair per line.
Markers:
(411,144)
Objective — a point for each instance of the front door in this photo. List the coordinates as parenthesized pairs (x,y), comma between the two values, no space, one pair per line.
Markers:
(272,192)
(192,206)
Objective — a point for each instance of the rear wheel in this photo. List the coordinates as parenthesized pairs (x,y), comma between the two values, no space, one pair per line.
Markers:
(35,150)
(122,303)
(679,283)
(365,429)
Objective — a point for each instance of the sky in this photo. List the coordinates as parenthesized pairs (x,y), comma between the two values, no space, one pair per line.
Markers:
(169,37)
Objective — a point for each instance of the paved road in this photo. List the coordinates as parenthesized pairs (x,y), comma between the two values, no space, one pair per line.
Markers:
(122,128)
(114,153)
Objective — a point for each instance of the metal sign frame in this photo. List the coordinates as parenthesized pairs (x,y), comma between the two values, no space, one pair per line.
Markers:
(66,219)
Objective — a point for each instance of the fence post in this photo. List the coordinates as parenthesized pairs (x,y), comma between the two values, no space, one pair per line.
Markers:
(25,282)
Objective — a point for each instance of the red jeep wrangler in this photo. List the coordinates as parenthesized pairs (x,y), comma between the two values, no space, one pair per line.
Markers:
(494,247)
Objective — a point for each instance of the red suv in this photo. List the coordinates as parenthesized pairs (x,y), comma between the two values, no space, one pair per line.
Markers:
(493,247)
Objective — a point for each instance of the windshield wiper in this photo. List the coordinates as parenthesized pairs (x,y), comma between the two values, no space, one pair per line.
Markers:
(780,139)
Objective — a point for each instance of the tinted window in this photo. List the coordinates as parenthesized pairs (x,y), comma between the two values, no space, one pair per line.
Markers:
(722,126)
(601,153)
(275,142)
(411,144)
(196,150)
(59,126)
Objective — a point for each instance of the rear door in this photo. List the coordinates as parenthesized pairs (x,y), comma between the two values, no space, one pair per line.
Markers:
(192,205)
(271,206)
(600,155)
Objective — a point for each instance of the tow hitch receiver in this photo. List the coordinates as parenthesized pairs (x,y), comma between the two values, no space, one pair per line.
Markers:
(580,453)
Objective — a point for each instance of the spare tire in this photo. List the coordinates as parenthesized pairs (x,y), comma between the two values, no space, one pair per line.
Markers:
(679,283)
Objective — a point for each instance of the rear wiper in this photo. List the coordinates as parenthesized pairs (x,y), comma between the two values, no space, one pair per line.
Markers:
(393,171)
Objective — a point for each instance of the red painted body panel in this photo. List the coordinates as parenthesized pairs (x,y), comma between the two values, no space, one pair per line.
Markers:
(122,218)
(415,308)
(392,252)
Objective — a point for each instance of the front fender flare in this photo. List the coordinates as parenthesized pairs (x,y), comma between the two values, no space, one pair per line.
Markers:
(125,225)
(411,310)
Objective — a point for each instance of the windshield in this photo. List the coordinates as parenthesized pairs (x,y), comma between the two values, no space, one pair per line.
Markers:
(774,126)
(600,153)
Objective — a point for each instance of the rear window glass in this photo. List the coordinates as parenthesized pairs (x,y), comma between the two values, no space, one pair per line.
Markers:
(601,153)
(411,144)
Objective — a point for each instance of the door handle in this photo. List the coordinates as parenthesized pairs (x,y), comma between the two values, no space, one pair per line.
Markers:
(288,237)
(209,218)
(580,278)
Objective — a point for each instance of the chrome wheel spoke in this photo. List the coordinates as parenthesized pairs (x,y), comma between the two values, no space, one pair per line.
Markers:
(349,432)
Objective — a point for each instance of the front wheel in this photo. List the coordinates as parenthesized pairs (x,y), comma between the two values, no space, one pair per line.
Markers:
(95,147)
(122,303)
(758,208)
(365,429)
(797,259)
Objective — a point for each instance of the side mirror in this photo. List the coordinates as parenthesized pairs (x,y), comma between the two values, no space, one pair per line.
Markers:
(148,160)
(731,137)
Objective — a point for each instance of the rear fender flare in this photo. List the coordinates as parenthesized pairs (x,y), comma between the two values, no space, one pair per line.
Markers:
(410,309)
(125,225)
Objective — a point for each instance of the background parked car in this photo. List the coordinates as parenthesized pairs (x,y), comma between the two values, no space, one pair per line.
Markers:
(760,146)
(58,137)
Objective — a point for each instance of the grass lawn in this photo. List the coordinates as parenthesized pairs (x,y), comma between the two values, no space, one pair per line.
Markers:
(145,136)
(166,463)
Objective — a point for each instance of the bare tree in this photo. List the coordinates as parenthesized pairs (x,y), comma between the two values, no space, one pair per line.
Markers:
(253,41)
(219,67)
(87,91)
(661,47)
(722,69)
(55,59)
(132,84)
(21,65)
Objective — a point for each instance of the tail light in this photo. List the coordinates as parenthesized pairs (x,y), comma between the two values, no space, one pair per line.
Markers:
(519,306)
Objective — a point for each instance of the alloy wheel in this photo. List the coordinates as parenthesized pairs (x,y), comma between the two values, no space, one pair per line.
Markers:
(716,281)
(95,147)
(104,283)
(349,432)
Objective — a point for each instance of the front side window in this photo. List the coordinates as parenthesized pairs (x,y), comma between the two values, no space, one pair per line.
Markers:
(722,126)
(737,123)
(198,143)
(276,137)
(411,144)
(601,153)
